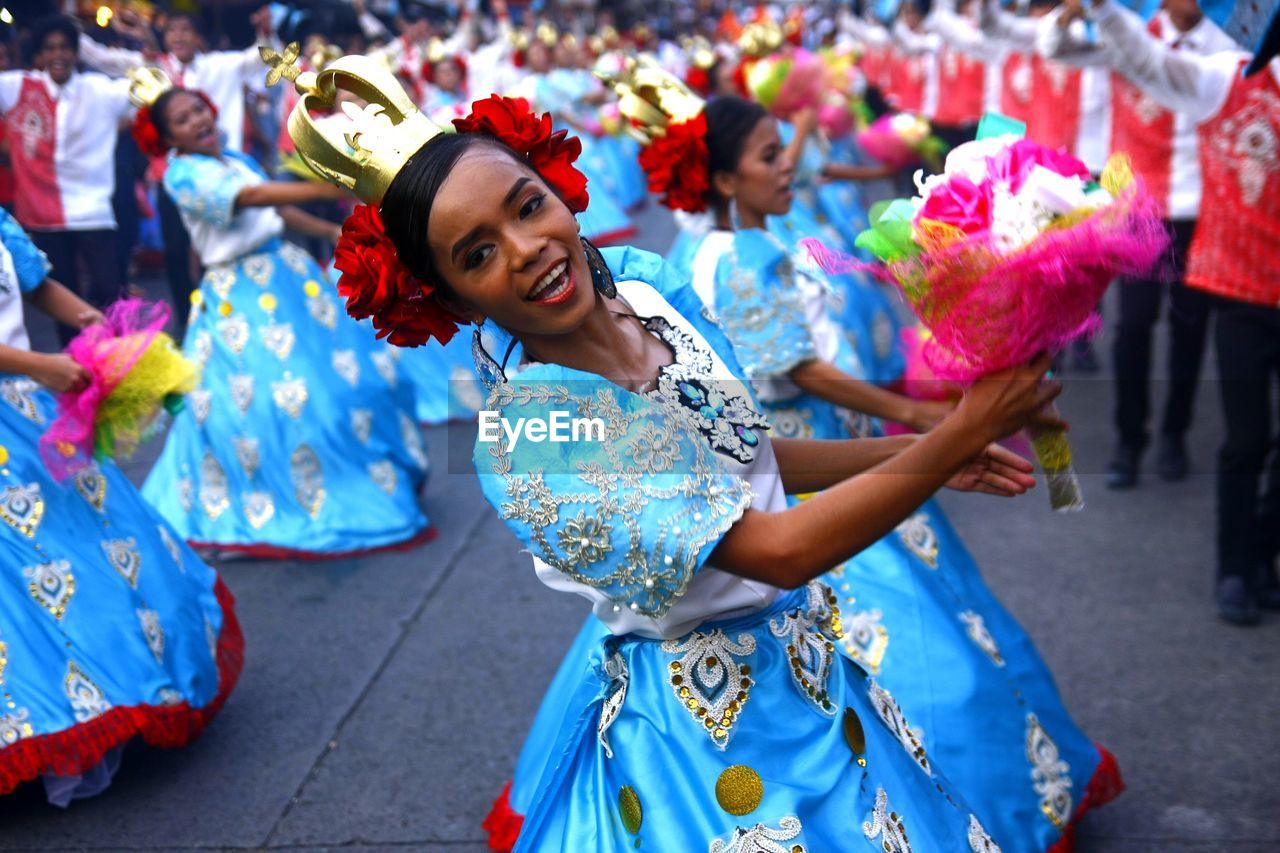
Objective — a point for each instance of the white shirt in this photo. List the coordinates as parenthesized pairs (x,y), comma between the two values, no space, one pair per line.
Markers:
(222,75)
(86,121)
(1072,46)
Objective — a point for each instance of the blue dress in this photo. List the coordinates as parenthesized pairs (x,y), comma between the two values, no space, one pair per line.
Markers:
(919,616)
(713,712)
(444,380)
(301,439)
(110,626)
(831,213)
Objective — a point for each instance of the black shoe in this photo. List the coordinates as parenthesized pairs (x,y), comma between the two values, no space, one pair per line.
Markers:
(1236,602)
(1268,586)
(1122,470)
(1171,458)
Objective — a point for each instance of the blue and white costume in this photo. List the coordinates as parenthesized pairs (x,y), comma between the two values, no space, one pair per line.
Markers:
(110,626)
(919,616)
(716,713)
(301,439)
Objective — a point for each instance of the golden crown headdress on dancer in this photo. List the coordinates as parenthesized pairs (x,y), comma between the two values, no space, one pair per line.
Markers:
(146,86)
(665,116)
(384,137)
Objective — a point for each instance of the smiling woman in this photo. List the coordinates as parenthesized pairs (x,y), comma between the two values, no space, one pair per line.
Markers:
(294,398)
(715,670)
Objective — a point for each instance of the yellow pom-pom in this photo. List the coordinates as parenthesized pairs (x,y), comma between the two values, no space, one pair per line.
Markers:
(312,288)
(197,298)
(225,309)
(1117,175)
(268,302)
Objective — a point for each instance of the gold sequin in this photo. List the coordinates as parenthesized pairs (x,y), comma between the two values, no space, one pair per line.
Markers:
(629,809)
(225,309)
(259,507)
(267,302)
(311,288)
(4,454)
(22,508)
(739,790)
(51,585)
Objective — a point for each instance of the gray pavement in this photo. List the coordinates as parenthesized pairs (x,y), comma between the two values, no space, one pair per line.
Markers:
(383,700)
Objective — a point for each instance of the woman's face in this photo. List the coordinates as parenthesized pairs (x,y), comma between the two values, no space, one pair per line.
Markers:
(447,75)
(190,125)
(508,247)
(762,182)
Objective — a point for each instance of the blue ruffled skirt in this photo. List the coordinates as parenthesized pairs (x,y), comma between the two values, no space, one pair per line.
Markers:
(605,220)
(301,439)
(110,626)
(746,734)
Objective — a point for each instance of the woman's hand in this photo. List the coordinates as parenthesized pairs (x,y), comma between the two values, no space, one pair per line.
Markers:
(924,415)
(59,373)
(89,317)
(996,471)
(1000,404)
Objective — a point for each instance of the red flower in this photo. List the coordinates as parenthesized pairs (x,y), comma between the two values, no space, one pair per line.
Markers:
(376,284)
(146,134)
(677,165)
(551,154)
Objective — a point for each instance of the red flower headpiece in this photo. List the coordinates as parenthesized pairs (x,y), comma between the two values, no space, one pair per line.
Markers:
(376,284)
(676,164)
(147,135)
(550,153)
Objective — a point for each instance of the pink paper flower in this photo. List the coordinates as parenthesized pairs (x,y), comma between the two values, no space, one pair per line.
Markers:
(959,202)
(1012,165)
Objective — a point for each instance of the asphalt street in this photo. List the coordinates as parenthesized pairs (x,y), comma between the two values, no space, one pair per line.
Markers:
(384,699)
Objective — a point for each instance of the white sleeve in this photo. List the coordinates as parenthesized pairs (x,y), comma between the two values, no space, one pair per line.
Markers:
(958,32)
(1017,33)
(912,42)
(10,88)
(113,61)
(1179,80)
(1069,45)
(372,27)
(114,93)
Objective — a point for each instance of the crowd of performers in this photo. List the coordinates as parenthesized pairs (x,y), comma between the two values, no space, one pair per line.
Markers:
(780,653)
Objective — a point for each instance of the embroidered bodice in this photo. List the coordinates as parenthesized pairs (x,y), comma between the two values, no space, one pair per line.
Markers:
(629,522)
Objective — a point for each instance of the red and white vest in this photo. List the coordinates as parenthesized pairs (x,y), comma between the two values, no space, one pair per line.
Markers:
(961,88)
(1236,249)
(1017,87)
(906,81)
(33,141)
(1054,120)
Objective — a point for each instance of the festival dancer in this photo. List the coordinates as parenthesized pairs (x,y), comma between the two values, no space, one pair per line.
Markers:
(110,626)
(916,597)
(62,141)
(1233,256)
(1163,148)
(223,75)
(301,440)
(675,526)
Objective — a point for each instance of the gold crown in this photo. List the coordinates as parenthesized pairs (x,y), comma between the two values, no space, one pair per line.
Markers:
(146,84)
(383,136)
(760,38)
(652,98)
(700,52)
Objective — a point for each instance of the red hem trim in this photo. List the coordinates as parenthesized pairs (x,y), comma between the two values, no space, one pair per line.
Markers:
(264,551)
(503,823)
(608,238)
(1105,786)
(84,745)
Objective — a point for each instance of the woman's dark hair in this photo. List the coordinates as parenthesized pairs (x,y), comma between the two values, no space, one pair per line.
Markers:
(46,27)
(159,115)
(406,206)
(730,121)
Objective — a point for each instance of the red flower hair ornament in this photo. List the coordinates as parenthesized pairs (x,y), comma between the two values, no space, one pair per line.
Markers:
(147,135)
(376,284)
(676,165)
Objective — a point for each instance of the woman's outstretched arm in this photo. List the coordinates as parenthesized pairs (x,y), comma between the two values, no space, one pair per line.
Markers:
(792,547)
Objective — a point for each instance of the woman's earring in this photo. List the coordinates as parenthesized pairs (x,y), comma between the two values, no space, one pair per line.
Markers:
(735,221)
(490,371)
(601,277)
